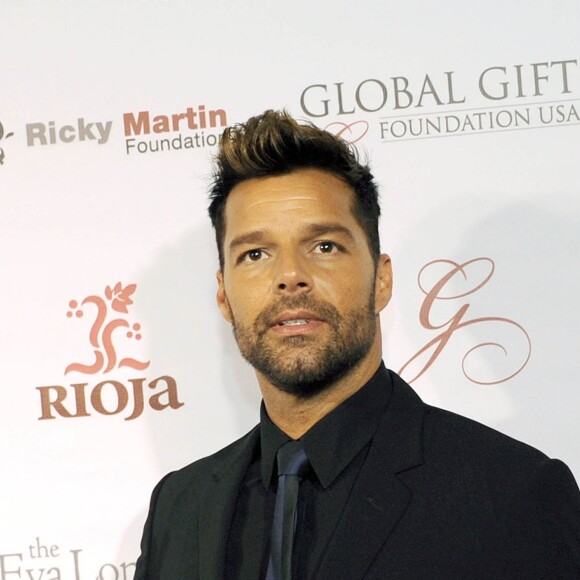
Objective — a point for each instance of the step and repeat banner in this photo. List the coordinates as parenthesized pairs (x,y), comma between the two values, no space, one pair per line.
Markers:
(115,364)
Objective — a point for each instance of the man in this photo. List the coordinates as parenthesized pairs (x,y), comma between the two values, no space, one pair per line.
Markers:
(388,487)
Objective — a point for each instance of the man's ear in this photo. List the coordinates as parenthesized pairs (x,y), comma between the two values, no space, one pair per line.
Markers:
(222,299)
(383,282)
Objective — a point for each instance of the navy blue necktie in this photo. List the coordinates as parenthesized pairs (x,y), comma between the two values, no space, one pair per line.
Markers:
(292,466)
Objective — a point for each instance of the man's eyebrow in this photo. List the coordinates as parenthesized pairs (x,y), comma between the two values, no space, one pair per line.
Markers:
(254,237)
(314,230)
(330,228)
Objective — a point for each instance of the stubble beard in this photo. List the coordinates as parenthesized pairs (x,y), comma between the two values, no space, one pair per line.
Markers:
(304,365)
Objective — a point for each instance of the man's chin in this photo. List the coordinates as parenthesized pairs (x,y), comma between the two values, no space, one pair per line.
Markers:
(300,388)
(304,377)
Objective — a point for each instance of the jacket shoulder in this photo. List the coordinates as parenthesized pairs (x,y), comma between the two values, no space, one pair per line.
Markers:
(461,435)
(450,435)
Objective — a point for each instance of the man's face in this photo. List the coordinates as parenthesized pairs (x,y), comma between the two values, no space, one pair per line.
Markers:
(299,284)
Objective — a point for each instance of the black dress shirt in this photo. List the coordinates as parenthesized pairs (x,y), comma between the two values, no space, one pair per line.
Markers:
(336,448)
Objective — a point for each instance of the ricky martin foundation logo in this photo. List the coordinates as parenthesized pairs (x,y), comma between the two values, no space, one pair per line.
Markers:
(3,135)
(193,128)
(111,329)
(80,131)
(500,97)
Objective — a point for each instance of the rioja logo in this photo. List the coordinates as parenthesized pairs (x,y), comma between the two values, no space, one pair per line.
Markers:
(116,301)
(446,281)
(110,322)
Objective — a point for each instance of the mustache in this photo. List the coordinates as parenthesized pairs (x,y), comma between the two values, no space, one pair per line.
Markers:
(321,309)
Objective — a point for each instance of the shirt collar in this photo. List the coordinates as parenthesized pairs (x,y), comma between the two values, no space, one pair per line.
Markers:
(333,442)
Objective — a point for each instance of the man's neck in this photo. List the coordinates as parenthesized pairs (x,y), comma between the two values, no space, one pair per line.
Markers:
(296,415)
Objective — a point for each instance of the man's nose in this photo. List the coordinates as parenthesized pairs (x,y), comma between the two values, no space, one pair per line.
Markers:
(292,275)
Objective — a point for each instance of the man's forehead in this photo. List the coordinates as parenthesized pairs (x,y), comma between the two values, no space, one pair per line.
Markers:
(275,198)
(300,190)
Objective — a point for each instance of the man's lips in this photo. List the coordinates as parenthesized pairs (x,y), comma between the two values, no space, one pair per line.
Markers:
(294,318)
(297,322)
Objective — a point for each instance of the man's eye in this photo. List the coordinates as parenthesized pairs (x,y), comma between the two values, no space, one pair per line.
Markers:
(326,247)
(253,255)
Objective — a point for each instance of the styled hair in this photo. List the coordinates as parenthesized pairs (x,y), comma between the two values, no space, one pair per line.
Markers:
(273,144)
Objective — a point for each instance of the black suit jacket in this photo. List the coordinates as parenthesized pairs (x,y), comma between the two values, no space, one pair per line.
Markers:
(439,496)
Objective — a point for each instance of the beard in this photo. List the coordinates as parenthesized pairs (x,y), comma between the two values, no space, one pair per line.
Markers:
(305,365)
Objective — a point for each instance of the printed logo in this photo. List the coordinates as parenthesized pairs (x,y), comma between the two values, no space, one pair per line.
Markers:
(184,130)
(442,104)
(349,132)
(40,557)
(110,320)
(116,300)
(145,132)
(3,135)
(445,282)
(51,134)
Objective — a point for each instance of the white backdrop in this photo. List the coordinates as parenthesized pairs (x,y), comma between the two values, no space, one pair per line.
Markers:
(470,115)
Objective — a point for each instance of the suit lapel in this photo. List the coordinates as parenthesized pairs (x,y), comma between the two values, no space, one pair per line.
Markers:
(379,498)
(217,507)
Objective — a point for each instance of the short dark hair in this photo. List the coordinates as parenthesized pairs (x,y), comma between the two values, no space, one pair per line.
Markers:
(273,144)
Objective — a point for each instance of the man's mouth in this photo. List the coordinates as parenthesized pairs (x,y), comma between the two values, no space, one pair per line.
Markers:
(295,318)
(296,322)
